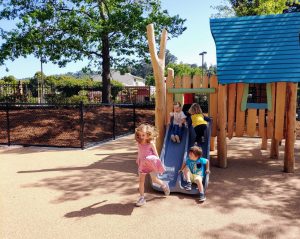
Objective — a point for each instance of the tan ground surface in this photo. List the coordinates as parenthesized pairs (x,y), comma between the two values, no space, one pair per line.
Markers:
(64,193)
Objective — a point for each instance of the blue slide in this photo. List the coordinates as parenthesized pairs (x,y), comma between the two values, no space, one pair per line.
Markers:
(173,155)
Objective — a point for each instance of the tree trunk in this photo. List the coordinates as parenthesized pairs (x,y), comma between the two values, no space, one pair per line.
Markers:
(106,87)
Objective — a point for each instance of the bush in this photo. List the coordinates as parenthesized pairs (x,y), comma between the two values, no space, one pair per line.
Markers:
(76,99)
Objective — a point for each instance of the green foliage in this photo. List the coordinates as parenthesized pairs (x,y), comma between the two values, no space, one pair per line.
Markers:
(150,80)
(9,79)
(111,32)
(250,8)
(116,88)
(76,99)
(185,69)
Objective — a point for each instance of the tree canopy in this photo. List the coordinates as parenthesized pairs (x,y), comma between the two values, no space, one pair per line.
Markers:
(254,7)
(106,32)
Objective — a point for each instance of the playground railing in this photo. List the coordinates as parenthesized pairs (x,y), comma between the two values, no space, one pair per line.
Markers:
(69,125)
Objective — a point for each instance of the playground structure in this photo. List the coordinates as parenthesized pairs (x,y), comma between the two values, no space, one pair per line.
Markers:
(254,54)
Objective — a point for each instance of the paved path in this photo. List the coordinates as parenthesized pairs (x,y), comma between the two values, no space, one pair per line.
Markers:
(66,193)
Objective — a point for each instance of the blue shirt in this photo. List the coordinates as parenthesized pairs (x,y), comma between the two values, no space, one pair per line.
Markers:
(197,166)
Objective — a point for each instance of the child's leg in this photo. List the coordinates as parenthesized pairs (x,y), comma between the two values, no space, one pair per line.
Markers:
(187,174)
(142,177)
(164,186)
(200,131)
(198,181)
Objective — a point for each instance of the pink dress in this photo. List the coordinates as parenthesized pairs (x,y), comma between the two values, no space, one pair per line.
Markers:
(147,161)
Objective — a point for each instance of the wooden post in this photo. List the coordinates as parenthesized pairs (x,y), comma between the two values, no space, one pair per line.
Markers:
(262,130)
(178,84)
(280,110)
(158,64)
(213,105)
(205,82)
(274,152)
(289,156)
(240,115)
(196,81)
(169,96)
(264,140)
(212,143)
(271,113)
(231,109)
(222,120)
(251,122)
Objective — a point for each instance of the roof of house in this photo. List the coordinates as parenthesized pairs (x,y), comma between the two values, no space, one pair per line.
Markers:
(127,79)
(257,49)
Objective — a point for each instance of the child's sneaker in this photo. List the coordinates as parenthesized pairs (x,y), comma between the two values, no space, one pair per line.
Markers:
(202,197)
(177,139)
(173,138)
(140,202)
(188,186)
(166,189)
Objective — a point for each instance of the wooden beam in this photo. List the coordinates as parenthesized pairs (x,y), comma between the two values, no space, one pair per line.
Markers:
(169,96)
(178,85)
(289,154)
(212,143)
(274,151)
(231,109)
(271,113)
(261,122)
(240,115)
(251,122)
(193,90)
(213,104)
(205,82)
(222,120)
(280,110)
(264,140)
(197,81)
(158,64)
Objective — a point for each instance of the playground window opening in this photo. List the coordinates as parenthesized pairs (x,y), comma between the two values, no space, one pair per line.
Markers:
(257,96)
(257,93)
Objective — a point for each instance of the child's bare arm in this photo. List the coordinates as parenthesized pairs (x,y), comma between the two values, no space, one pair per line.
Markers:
(207,171)
(154,149)
(182,167)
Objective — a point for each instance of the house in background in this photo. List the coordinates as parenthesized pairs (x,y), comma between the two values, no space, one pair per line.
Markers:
(135,90)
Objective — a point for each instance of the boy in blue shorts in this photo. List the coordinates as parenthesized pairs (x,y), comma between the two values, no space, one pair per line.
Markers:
(194,170)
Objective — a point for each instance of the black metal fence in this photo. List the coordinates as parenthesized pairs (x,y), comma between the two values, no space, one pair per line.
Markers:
(69,125)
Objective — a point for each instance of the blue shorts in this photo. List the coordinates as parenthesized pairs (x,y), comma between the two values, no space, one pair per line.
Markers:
(176,130)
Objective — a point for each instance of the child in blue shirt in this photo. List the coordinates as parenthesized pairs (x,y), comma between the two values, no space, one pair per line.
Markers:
(194,170)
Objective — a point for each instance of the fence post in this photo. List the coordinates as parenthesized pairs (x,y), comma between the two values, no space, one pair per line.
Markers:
(81,125)
(134,117)
(114,122)
(7,124)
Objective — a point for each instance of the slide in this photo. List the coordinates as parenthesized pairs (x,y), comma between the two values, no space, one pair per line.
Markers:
(173,154)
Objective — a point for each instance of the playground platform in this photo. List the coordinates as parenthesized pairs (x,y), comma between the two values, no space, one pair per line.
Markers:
(65,193)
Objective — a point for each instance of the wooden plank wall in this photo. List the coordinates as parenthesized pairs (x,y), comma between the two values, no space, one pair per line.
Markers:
(263,123)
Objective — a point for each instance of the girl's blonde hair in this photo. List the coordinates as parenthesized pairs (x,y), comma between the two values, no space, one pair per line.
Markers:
(148,129)
(195,109)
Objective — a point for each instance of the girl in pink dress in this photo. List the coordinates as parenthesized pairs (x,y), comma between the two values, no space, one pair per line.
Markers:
(148,160)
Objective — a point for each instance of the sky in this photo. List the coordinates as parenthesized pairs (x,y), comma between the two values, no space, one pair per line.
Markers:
(186,47)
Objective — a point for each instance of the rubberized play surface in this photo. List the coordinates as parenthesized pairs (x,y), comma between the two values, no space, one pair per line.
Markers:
(67,193)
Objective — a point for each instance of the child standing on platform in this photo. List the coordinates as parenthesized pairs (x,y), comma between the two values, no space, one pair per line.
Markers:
(198,122)
(178,122)
(148,160)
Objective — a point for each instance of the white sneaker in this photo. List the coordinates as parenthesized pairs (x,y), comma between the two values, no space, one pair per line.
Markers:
(140,202)
(177,139)
(166,189)
(173,138)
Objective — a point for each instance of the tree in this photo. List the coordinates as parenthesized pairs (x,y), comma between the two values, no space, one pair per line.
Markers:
(106,32)
(251,7)
(9,79)
(170,58)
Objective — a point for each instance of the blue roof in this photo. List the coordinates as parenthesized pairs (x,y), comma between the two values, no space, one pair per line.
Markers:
(258,49)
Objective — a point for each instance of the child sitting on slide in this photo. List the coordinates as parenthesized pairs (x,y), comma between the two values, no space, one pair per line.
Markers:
(178,122)
(193,170)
